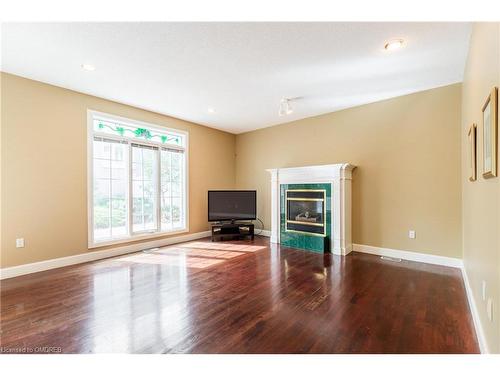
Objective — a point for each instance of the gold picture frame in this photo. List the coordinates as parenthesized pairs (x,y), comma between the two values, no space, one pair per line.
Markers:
(472,135)
(490,125)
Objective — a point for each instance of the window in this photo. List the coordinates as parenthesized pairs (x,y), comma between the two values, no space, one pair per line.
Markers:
(137,179)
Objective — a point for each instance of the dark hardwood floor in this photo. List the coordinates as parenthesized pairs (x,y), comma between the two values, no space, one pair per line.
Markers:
(238,297)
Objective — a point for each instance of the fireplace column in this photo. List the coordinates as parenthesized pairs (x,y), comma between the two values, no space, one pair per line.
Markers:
(275,206)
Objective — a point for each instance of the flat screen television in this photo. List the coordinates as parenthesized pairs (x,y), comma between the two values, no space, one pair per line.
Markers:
(232,205)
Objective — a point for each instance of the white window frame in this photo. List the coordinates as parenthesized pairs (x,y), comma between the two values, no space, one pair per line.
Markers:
(91,115)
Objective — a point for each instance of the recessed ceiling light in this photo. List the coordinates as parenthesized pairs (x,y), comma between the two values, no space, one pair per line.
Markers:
(394,44)
(211,110)
(88,67)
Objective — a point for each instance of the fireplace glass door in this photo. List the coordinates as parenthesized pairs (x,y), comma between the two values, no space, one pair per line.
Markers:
(305,211)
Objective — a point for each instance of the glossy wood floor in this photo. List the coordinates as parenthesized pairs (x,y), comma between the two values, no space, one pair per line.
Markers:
(239,297)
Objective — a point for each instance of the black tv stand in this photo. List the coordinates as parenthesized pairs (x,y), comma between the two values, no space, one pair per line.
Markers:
(232,230)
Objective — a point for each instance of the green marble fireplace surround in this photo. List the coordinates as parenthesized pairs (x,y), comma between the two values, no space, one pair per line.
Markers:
(334,180)
(306,241)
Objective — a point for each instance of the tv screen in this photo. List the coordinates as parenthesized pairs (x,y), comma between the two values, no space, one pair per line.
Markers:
(232,205)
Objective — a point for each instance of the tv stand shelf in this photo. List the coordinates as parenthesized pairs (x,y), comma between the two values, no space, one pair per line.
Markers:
(233,230)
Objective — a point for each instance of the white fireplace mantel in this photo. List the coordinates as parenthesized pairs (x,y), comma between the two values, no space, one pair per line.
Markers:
(339,176)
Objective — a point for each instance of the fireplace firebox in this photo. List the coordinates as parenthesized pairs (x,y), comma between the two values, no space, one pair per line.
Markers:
(305,211)
(333,216)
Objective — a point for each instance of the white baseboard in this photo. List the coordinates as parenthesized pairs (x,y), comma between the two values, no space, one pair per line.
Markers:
(266,233)
(409,255)
(481,338)
(24,269)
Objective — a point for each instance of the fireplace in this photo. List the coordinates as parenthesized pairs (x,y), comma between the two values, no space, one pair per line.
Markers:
(311,207)
(305,211)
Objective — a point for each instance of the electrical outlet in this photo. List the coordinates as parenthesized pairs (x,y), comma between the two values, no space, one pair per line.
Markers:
(19,242)
(489,309)
(412,234)
(484,290)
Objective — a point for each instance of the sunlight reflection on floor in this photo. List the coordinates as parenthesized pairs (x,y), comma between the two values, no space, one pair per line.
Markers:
(193,254)
(222,246)
(199,253)
(181,260)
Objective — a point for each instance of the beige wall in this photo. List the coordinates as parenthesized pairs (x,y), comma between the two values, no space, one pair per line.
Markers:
(408,155)
(44,167)
(481,199)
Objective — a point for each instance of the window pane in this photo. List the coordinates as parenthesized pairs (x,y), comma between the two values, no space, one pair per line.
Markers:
(102,229)
(102,150)
(138,223)
(176,168)
(137,190)
(110,190)
(103,233)
(149,210)
(119,189)
(101,168)
(144,195)
(172,190)
(166,189)
(177,213)
(137,155)
(176,189)
(166,219)
(137,206)
(102,189)
(119,217)
(118,170)
(165,166)
(136,171)
(117,151)
(147,164)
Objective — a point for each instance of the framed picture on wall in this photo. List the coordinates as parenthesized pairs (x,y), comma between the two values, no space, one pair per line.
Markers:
(472,152)
(490,135)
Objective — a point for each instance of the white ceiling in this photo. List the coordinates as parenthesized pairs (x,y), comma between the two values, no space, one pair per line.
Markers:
(242,70)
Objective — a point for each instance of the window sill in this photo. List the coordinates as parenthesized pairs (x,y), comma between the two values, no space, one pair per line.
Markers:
(138,237)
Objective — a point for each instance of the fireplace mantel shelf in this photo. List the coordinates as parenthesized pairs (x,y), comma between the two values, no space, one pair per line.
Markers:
(339,176)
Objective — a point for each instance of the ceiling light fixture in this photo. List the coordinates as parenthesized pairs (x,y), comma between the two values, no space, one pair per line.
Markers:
(211,110)
(394,44)
(285,107)
(88,67)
